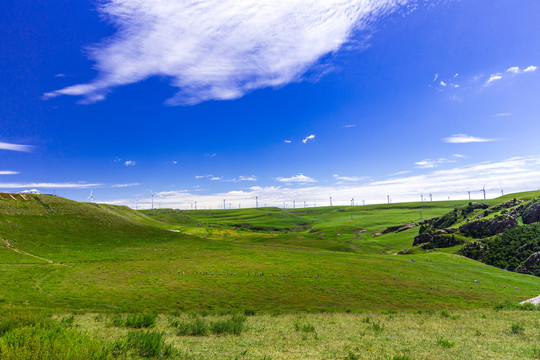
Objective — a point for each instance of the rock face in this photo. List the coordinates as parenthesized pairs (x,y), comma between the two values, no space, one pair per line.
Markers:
(531,214)
(485,228)
(422,238)
(530,265)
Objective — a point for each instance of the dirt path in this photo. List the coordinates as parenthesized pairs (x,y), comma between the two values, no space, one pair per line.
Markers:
(9,246)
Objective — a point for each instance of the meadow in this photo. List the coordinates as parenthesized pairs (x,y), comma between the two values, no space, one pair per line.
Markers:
(319,282)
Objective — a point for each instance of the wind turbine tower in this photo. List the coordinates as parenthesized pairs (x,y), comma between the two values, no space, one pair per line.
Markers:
(256,201)
(330,201)
(152,194)
(484,191)
(91,197)
(430,197)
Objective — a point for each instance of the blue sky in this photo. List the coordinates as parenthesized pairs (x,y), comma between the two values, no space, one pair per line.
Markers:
(294,101)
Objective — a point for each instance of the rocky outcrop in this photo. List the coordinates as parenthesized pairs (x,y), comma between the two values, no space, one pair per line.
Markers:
(531,265)
(531,214)
(442,241)
(399,228)
(422,238)
(486,228)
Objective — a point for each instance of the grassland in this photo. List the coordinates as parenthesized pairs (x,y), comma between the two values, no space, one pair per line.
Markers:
(327,267)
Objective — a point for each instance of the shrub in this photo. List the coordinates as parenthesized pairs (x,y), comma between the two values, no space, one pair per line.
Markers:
(249,312)
(366,320)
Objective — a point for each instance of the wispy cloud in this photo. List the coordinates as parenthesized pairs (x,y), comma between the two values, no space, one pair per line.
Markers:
(16,147)
(502,114)
(464,138)
(65,185)
(514,174)
(300,179)
(310,137)
(8,172)
(513,70)
(287,141)
(349,125)
(221,49)
(130,163)
(347,178)
(125,185)
(430,163)
(247,178)
(492,78)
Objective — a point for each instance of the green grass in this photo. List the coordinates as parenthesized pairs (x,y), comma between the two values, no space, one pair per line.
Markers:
(477,334)
(113,259)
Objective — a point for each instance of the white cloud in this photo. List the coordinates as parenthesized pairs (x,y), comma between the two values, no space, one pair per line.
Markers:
(15,147)
(443,83)
(247,178)
(8,172)
(347,178)
(502,114)
(514,174)
(349,125)
(310,137)
(67,185)
(403,172)
(513,69)
(429,163)
(492,78)
(216,178)
(287,141)
(130,163)
(210,155)
(300,178)
(459,156)
(464,138)
(125,185)
(530,69)
(221,49)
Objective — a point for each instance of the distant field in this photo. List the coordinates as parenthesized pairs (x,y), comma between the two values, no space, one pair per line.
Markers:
(109,258)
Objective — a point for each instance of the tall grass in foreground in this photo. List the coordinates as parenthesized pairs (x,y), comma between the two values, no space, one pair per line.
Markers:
(29,336)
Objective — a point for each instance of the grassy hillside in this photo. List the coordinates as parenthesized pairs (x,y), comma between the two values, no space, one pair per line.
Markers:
(107,258)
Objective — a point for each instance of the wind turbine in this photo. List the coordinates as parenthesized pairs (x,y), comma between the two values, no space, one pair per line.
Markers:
(91,197)
(152,194)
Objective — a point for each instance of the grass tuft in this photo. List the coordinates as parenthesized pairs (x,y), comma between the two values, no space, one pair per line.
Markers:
(149,344)
(139,321)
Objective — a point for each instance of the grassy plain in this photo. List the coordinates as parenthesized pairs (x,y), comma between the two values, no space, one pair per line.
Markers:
(325,268)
